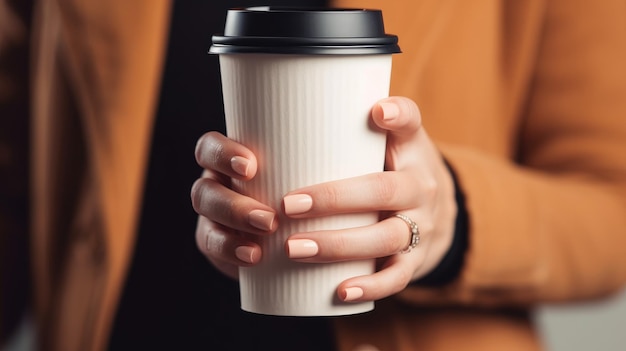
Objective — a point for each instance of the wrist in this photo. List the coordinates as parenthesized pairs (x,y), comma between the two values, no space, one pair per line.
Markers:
(451,263)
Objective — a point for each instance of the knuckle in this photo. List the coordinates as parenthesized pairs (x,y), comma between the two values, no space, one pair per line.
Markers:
(197,194)
(209,240)
(211,203)
(389,242)
(330,196)
(403,280)
(214,242)
(337,244)
(233,212)
(199,148)
(430,189)
(426,226)
(385,189)
(209,150)
(201,238)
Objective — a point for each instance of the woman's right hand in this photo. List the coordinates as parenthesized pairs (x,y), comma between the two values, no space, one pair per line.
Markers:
(229,224)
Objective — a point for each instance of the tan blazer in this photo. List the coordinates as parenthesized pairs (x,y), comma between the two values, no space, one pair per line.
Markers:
(526,100)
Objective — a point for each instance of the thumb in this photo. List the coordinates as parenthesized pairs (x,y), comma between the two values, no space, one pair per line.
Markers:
(408,144)
(398,115)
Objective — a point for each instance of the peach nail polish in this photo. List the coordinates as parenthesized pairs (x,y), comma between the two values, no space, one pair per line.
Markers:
(390,111)
(301,248)
(240,165)
(353,293)
(261,219)
(296,204)
(245,253)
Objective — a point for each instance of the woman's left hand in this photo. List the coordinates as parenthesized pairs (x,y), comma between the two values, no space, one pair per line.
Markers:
(416,183)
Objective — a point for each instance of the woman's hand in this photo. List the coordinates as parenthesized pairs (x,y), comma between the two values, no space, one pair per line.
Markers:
(229,224)
(416,183)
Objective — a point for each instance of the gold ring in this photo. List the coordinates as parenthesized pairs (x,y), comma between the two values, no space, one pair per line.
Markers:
(415,233)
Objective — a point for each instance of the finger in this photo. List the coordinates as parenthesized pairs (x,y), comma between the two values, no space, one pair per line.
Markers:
(397,114)
(371,192)
(215,151)
(408,144)
(392,279)
(224,248)
(218,203)
(382,239)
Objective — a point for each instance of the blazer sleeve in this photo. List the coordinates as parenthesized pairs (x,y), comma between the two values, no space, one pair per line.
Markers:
(551,225)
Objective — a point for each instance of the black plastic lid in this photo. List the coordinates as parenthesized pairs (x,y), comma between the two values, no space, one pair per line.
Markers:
(307,31)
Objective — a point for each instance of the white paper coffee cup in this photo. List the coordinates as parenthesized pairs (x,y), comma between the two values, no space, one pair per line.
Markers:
(306,116)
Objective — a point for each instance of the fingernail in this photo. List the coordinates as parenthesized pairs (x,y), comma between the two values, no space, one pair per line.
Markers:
(390,110)
(240,165)
(351,294)
(245,253)
(296,204)
(261,219)
(301,248)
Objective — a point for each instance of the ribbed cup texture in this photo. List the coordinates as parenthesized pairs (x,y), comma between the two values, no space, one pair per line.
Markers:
(306,118)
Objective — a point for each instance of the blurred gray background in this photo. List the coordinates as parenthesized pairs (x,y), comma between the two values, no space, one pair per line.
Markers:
(599,325)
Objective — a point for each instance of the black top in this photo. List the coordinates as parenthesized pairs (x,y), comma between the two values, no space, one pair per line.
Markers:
(173,297)
(304,31)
